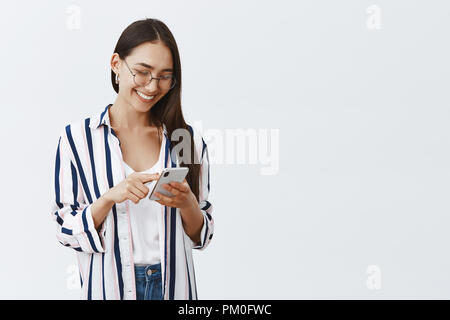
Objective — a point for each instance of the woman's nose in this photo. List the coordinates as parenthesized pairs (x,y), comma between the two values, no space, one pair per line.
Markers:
(152,86)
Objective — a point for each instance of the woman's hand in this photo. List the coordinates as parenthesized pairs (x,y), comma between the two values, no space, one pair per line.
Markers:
(183,197)
(132,188)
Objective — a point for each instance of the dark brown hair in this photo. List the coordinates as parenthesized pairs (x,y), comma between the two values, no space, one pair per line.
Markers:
(168,109)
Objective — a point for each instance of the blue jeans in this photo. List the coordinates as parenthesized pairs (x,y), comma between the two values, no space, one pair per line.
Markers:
(148,282)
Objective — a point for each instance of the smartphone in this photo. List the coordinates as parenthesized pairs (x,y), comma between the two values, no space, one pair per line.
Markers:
(168,175)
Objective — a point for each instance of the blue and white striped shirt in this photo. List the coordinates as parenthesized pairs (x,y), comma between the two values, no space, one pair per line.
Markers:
(88,163)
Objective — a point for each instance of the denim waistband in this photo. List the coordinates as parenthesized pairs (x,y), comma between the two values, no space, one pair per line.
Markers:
(148,270)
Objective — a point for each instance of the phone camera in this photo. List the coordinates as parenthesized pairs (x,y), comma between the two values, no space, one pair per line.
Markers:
(166,174)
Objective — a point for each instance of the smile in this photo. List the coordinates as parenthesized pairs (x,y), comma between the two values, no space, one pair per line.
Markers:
(144,96)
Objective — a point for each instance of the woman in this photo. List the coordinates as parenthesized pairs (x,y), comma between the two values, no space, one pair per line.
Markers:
(127,246)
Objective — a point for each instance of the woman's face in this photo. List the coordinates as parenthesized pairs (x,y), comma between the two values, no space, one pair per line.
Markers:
(154,58)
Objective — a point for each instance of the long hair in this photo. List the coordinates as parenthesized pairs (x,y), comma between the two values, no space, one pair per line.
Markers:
(168,109)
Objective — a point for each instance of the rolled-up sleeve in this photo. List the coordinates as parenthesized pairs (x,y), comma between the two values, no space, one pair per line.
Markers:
(205,205)
(71,214)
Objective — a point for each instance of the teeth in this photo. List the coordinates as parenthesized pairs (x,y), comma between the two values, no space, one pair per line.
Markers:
(144,96)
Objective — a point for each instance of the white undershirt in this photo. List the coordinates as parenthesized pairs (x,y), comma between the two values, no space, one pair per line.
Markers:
(144,223)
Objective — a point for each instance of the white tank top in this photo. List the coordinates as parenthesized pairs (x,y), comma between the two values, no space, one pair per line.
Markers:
(143,218)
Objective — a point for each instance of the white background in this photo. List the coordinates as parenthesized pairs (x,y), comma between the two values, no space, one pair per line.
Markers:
(363,150)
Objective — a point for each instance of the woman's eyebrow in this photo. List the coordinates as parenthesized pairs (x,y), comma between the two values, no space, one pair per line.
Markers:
(150,67)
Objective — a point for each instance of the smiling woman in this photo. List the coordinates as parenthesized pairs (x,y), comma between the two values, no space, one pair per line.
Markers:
(130,247)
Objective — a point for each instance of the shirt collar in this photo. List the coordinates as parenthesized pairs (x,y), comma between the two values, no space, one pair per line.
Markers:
(103,119)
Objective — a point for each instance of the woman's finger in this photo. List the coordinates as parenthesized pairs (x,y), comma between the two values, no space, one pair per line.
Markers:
(180,186)
(132,197)
(147,177)
(164,199)
(171,189)
(136,192)
(142,187)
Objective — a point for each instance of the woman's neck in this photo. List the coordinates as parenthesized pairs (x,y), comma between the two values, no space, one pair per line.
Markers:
(123,115)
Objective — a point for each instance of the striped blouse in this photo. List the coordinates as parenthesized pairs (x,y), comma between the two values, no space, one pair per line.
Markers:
(88,163)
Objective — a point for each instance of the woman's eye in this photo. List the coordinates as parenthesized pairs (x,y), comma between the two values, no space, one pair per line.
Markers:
(144,73)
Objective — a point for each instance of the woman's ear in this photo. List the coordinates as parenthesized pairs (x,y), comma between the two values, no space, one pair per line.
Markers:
(115,63)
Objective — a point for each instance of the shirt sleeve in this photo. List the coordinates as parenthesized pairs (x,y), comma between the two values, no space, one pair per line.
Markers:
(72,215)
(205,205)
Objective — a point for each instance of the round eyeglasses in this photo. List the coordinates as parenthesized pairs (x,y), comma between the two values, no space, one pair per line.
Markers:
(143,78)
